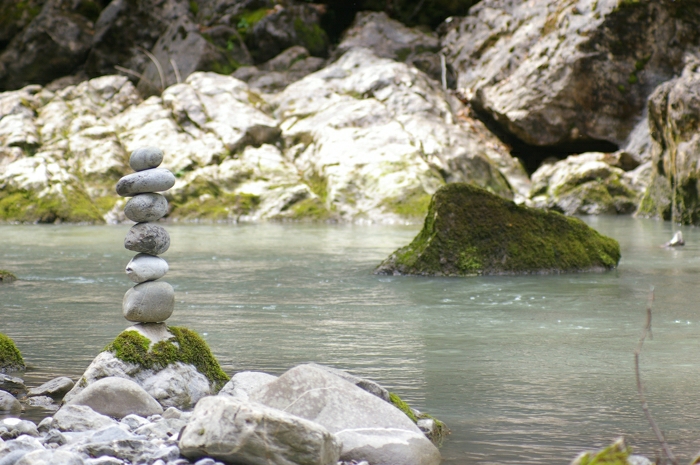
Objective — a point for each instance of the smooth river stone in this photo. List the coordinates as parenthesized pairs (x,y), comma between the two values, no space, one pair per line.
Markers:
(147,238)
(144,267)
(153,180)
(146,207)
(145,158)
(149,302)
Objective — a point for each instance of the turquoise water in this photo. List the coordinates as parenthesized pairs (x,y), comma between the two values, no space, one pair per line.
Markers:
(526,369)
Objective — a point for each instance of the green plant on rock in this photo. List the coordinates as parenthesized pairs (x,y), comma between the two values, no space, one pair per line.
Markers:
(7,276)
(616,454)
(439,432)
(73,206)
(10,356)
(413,204)
(185,346)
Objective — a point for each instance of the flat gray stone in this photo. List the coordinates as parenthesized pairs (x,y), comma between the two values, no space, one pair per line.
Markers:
(55,388)
(149,302)
(51,457)
(142,182)
(11,384)
(146,207)
(144,267)
(147,238)
(244,382)
(44,402)
(8,403)
(237,431)
(145,158)
(117,397)
(78,418)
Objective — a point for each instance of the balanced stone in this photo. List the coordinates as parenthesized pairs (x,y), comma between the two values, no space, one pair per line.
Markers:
(145,158)
(153,180)
(149,302)
(145,267)
(146,207)
(147,238)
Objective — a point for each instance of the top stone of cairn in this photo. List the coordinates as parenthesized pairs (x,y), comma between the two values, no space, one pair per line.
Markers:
(145,158)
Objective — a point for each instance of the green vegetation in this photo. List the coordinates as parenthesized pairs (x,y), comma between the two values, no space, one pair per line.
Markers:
(312,36)
(438,434)
(216,206)
(616,454)
(185,346)
(7,276)
(73,206)
(10,357)
(194,7)
(248,19)
(411,205)
(469,231)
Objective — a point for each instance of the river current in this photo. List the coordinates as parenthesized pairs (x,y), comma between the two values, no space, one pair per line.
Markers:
(523,369)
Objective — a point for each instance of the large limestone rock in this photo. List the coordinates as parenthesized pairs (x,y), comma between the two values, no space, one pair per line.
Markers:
(375,138)
(237,431)
(569,72)
(674,119)
(469,231)
(370,428)
(176,368)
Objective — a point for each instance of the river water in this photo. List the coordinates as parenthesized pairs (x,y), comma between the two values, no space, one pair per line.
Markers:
(523,369)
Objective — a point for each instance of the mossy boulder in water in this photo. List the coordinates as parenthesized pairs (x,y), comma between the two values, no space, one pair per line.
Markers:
(10,357)
(469,231)
(7,276)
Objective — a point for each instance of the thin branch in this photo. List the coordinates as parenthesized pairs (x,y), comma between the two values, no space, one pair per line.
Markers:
(159,68)
(177,71)
(637,352)
(134,73)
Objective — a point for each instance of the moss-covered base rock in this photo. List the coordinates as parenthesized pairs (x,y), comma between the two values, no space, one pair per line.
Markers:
(7,276)
(173,364)
(469,231)
(10,357)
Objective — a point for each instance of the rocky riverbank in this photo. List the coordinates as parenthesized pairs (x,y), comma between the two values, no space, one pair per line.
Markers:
(281,110)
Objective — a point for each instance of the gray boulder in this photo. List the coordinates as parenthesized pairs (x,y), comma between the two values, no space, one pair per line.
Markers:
(79,418)
(244,382)
(568,73)
(363,383)
(8,403)
(145,158)
(147,238)
(117,397)
(51,457)
(146,207)
(12,384)
(44,402)
(55,388)
(233,430)
(149,302)
(369,428)
(141,182)
(144,267)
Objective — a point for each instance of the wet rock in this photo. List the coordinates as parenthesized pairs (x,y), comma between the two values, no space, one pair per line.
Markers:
(149,302)
(145,158)
(44,402)
(363,383)
(117,397)
(55,388)
(469,231)
(146,207)
(8,403)
(369,428)
(674,112)
(232,430)
(586,184)
(145,267)
(573,73)
(147,238)
(79,418)
(11,384)
(244,382)
(153,180)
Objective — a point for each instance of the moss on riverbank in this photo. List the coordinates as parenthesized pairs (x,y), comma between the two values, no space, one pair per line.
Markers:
(437,435)
(10,356)
(616,454)
(72,205)
(469,231)
(185,346)
(7,276)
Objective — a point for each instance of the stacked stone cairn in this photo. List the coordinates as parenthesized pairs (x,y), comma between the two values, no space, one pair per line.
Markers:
(150,300)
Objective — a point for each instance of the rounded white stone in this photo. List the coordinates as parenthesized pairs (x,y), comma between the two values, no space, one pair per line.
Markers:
(146,207)
(145,267)
(149,302)
(145,158)
(153,180)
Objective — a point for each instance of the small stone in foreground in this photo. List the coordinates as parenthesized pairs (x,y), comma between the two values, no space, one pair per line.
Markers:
(118,397)
(78,418)
(55,388)
(149,302)
(144,267)
(147,238)
(8,403)
(146,207)
(469,231)
(145,158)
(142,182)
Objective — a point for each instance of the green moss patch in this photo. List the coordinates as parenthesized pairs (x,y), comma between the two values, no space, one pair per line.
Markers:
(411,205)
(10,357)
(74,206)
(7,276)
(220,207)
(616,454)
(185,346)
(469,231)
(441,430)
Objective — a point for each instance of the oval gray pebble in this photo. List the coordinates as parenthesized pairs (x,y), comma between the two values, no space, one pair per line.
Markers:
(149,302)
(144,267)
(154,180)
(146,207)
(147,238)
(145,158)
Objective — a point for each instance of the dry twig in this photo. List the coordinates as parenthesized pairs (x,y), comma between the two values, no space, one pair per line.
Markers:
(159,68)
(659,435)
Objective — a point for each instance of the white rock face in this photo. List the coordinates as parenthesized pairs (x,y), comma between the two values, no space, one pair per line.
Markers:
(117,397)
(145,267)
(236,431)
